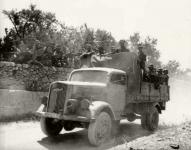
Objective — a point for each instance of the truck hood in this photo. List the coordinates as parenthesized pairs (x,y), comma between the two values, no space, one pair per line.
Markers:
(76,90)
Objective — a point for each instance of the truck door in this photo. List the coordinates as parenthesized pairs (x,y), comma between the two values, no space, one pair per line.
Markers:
(117,92)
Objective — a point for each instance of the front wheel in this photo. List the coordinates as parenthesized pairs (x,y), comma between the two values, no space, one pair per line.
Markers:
(100,130)
(50,126)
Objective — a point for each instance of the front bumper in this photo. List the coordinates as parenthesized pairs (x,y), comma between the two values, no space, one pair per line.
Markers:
(40,112)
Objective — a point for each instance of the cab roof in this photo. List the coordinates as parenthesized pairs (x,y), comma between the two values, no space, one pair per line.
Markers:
(108,70)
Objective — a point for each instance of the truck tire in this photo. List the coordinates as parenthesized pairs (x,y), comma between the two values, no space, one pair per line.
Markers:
(50,126)
(115,127)
(152,119)
(143,121)
(100,130)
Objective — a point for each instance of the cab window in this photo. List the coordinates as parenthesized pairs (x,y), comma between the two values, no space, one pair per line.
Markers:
(118,79)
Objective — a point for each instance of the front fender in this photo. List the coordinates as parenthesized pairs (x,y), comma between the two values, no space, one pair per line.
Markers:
(98,106)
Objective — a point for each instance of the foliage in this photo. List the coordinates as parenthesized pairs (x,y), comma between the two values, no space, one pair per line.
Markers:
(30,20)
(7,43)
(29,26)
(39,36)
(173,67)
(105,40)
(149,45)
(134,40)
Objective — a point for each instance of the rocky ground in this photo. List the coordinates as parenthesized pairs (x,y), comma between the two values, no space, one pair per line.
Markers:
(176,137)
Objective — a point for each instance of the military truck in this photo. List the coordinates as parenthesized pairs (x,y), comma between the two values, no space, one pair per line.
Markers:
(99,96)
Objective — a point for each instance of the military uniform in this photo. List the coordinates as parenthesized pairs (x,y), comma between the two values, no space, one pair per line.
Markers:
(122,46)
(142,58)
(166,77)
(85,60)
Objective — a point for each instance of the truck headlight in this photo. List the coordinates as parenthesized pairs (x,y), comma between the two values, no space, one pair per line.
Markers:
(84,104)
(72,105)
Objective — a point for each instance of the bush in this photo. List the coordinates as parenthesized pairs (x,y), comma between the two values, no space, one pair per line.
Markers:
(23,58)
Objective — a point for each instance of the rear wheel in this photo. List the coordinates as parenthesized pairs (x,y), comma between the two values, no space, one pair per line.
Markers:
(152,119)
(143,121)
(50,126)
(100,130)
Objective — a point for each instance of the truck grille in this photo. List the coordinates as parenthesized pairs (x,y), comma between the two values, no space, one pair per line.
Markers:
(57,99)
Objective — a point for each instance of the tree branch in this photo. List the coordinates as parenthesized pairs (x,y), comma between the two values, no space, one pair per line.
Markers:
(14,26)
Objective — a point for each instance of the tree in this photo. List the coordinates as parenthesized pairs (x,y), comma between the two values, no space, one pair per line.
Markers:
(30,25)
(134,40)
(88,36)
(149,49)
(30,20)
(173,67)
(38,35)
(104,40)
(7,48)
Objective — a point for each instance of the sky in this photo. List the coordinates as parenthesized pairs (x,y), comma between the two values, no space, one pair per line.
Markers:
(169,21)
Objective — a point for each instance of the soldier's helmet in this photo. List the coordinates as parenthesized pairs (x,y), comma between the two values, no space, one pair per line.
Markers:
(154,70)
(122,42)
(160,71)
(165,72)
(140,46)
(151,66)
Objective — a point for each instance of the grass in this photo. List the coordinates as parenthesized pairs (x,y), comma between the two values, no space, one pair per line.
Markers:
(166,126)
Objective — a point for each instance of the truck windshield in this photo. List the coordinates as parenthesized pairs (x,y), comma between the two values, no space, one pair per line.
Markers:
(89,76)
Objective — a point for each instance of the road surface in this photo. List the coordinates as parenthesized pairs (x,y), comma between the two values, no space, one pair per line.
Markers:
(28,136)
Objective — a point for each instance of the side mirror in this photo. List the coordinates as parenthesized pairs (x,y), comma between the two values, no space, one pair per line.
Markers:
(44,100)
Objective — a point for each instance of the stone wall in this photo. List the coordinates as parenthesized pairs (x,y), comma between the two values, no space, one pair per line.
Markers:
(20,87)
(18,102)
(29,77)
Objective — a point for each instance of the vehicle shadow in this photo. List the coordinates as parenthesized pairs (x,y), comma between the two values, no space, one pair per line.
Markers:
(78,140)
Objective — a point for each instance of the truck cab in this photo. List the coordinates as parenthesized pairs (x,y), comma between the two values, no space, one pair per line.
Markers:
(107,86)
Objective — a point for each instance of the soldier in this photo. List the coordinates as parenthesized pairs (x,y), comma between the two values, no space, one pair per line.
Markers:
(159,76)
(142,57)
(151,73)
(113,50)
(122,46)
(85,59)
(166,77)
(101,51)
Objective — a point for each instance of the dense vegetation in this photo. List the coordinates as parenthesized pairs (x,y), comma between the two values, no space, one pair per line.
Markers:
(37,36)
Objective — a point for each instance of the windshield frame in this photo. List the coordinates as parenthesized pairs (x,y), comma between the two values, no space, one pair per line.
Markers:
(78,71)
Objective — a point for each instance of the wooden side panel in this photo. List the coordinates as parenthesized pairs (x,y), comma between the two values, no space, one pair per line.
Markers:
(164,92)
(149,94)
(145,88)
(154,93)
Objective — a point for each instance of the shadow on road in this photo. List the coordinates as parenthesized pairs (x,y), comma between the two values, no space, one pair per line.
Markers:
(78,140)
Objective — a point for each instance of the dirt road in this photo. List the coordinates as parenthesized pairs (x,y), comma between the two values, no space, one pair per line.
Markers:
(28,136)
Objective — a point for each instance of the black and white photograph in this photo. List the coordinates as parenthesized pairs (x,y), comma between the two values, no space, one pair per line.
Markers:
(95,74)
